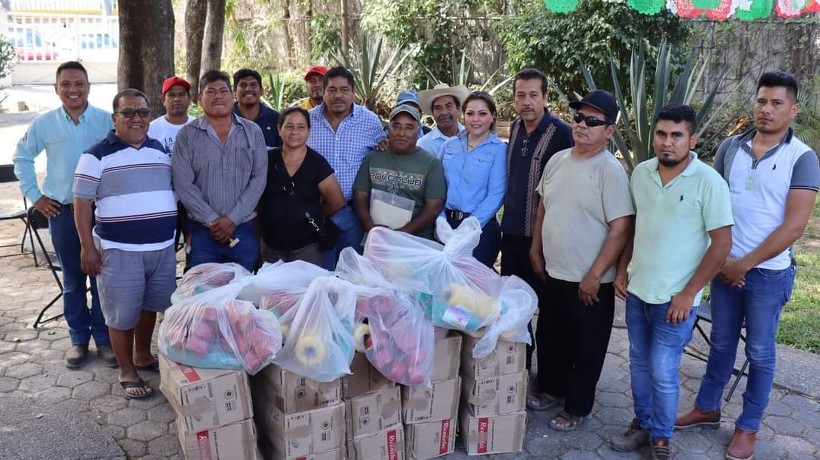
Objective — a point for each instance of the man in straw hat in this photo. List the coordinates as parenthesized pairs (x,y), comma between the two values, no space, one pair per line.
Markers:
(444,103)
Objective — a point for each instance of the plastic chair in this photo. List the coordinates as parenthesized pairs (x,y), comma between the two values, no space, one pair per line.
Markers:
(7,175)
(705,314)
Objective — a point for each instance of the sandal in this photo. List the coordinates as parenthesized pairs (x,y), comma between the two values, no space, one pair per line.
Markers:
(541,401)
(141,385)
(573,421)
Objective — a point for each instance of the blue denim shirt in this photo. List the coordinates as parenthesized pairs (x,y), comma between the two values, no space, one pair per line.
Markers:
(476,180)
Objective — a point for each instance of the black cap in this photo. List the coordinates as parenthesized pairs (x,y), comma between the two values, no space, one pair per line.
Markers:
(601,100)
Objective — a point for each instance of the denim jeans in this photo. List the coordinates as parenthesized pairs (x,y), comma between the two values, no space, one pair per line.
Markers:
(204,248)
(757,305)
(655,349)
(82,322)
(350,237)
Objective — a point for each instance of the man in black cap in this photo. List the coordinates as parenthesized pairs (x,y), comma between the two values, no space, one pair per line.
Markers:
(583,222)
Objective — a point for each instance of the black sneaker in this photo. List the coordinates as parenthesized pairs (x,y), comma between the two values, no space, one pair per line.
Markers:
(75,356)
(661,450)
(633,439)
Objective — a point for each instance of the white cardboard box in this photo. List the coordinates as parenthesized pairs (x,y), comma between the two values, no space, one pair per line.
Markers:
(430,440)
(236,441)
(205,398)
(507,358)
(293,393)
(492,435)
(372,412)
(385,445)
(502,394)
(422,404)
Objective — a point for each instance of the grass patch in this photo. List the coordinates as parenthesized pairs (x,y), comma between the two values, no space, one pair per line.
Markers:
(800,320)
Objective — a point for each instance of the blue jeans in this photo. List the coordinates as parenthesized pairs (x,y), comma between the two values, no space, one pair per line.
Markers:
(490,243)
(204,248)
(655,349)
(82,322)
(350,237)
(757,304)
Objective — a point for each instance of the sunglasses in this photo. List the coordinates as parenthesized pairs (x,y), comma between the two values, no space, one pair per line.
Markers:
(590,121)
(130,113)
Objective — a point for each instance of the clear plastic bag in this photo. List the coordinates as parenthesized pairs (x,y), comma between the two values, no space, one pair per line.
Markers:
(518,304)
(456,290)
(319,344)
(216,330)
(204,277)
(392,329)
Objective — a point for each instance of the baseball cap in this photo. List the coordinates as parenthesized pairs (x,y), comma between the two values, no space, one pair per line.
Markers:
(601,100)
(408,96)
(404,108)
(319,70)
(174,80)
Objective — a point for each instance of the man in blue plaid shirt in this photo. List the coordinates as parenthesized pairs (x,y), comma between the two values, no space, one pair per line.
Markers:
(344,133)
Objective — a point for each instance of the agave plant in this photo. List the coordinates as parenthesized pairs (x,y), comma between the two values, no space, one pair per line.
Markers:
(462,75)
(276,85)
(370,70)
(637,113)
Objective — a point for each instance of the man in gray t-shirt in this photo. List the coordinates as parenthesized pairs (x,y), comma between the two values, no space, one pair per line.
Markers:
(584,219)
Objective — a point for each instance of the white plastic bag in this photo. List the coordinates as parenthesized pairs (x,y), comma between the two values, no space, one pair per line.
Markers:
(319,344)
(518,304)
(457,291)
(204,277)
(216,330)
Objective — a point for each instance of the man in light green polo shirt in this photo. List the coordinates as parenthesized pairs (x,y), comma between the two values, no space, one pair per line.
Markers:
(683,233)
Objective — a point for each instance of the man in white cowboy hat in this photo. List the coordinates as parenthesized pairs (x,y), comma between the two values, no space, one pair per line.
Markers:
(444,104)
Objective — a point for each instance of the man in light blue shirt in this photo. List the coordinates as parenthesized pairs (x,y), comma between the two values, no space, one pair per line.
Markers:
(65,133)
(444,103)
(344,133)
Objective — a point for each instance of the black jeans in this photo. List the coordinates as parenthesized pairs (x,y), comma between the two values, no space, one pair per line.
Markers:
(515,260)
(573,340)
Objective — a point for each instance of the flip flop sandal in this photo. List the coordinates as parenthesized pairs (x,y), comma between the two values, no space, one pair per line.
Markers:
(148,391)
(574,421)
(541,401)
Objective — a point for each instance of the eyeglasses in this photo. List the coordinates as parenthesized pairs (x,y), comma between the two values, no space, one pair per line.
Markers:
(130,113)
(590,121)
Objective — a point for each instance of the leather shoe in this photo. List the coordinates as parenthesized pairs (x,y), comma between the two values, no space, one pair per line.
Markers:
(106,355)
(695,417)
(75,356)
(742,445)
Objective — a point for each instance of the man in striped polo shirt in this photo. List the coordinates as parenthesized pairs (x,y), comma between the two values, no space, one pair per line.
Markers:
(130,249)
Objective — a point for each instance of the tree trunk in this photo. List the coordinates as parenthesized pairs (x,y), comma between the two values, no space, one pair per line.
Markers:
(291,49)
(146,47)
(343,17)
(214,31)
(195,13)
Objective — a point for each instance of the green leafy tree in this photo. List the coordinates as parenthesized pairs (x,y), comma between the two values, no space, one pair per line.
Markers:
(7,60)
(555,43)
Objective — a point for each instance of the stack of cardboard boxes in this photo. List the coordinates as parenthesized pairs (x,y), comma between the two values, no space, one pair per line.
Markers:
(494,390)
(373,411)
(430,414)
(214,411)
(296,417)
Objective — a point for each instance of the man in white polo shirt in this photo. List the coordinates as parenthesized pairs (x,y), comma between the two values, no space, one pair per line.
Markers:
(773,178)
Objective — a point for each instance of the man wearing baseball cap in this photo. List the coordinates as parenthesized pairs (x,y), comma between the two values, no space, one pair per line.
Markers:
(176,98)
(444,104)
(314,81)
(411,98)
(404,170)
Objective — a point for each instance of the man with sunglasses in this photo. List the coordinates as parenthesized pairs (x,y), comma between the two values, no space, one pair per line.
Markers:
(64,134)
(131,248)
(534,137)
(584,220)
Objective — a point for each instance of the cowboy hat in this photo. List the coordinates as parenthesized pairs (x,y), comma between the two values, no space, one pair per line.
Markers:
(428,96)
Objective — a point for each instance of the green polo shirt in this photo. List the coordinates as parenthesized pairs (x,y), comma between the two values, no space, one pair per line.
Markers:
(671,226)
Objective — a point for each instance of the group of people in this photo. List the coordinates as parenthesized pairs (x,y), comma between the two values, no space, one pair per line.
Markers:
(245,183)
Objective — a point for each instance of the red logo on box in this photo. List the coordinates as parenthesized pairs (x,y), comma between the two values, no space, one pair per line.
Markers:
(392,440)
(189,373)
(203,445)
(444,441)
(483,428)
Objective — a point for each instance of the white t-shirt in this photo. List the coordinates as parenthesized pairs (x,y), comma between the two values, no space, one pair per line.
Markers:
(165,132)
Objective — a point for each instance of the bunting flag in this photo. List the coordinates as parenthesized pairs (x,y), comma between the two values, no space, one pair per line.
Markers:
(719,10)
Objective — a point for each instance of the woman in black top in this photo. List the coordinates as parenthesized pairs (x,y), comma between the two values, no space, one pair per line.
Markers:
(299,180)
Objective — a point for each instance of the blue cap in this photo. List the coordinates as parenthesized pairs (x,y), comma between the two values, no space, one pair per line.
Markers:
(408,95)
